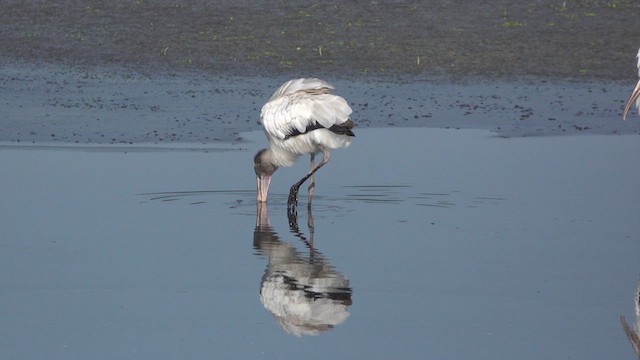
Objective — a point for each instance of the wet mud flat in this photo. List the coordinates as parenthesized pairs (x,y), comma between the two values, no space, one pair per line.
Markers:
(62,104)
(199,72)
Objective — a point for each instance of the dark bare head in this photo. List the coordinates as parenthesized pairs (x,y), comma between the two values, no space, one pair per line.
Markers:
(264,168)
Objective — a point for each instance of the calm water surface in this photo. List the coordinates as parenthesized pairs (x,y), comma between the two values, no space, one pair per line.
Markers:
(421,243)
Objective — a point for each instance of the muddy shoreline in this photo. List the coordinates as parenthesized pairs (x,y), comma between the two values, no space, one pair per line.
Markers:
(52,104)
(142,72)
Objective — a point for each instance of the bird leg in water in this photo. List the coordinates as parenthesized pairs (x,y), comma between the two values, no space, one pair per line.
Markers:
(310,224)
(293,193)
(312,185)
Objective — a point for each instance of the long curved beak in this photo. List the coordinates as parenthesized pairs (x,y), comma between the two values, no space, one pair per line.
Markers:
(263,187)
(634,96)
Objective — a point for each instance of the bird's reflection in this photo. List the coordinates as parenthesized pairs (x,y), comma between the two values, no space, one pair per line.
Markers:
(634,334)
(300,288)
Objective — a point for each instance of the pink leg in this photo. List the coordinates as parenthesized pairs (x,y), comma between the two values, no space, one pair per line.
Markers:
(312,185)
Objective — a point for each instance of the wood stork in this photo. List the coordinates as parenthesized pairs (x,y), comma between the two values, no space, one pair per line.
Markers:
(635,94)
(301,117)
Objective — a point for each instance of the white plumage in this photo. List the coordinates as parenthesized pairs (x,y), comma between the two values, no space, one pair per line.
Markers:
(301,117)
(296,105)
(635,94)
(638,57)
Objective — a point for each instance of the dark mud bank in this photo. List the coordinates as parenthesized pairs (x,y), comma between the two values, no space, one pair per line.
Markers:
(112,105)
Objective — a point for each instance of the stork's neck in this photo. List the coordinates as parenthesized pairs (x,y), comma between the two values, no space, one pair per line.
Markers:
(281,157)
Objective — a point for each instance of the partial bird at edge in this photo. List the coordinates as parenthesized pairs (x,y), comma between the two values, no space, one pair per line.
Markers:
(633,334)
(635,94)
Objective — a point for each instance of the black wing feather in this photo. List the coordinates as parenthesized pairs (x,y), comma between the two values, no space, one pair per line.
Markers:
(342,129)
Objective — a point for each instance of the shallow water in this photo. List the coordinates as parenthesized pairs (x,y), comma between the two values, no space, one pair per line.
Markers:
(422,243)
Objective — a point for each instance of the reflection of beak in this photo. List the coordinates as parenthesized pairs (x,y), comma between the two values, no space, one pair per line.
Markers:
(634,95)
(262,215)
(263,187)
